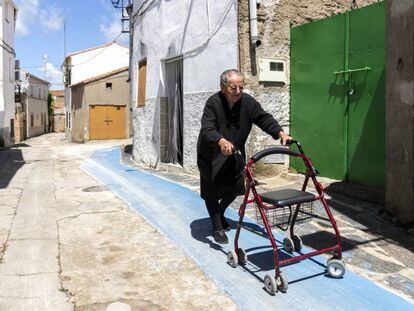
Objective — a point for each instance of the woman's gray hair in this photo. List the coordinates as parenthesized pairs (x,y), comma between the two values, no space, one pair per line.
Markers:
(225,76)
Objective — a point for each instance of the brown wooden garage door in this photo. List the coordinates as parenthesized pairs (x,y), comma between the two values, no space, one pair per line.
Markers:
(106,122)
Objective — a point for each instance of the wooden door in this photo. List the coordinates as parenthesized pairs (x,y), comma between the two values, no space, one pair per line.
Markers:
(116,122)
(98,128)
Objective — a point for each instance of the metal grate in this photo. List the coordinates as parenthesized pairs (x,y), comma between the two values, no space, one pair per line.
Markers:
(282,216)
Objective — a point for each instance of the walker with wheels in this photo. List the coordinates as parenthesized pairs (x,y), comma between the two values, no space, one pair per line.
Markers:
(283,209)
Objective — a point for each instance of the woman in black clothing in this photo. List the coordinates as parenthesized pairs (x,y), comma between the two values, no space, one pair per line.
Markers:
(226,123)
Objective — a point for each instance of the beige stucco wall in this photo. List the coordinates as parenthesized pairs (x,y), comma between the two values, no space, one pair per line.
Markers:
(96,93)
(274,18)
(80,115)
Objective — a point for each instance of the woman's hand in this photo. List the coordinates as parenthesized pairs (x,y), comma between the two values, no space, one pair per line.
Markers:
(284,137)
(225,146)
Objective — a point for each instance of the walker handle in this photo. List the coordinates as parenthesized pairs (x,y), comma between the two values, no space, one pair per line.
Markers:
(274,150)
(292,141)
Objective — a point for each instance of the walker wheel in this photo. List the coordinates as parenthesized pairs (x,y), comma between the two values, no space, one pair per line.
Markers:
(232,258)
(270,284)
(335,268)
(242,256)
(288,245)
(282,283)
(297,241)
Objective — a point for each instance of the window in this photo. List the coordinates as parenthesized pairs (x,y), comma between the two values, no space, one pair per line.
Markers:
(40,93)
(11,128)
(32,91)
(31,120)
(44,94)
(142,77)
(108,86)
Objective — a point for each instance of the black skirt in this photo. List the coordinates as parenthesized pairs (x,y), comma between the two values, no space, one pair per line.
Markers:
(228,182)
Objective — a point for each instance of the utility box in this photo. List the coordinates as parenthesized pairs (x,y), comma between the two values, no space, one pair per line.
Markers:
(272,70)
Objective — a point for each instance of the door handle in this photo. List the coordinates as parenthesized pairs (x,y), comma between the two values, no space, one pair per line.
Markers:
(366,68)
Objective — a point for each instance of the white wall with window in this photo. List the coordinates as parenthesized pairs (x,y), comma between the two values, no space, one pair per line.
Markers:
(182,44)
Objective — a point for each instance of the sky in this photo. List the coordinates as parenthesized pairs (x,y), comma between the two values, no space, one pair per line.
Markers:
(40,32)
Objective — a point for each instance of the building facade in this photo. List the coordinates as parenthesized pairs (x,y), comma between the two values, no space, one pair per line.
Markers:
(86,64)
(176,65)
(57,118)
(179,51)
(101,107)
(8,16)
(32,115)
(188,50)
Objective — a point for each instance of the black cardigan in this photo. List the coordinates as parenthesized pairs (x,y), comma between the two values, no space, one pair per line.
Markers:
(215,125)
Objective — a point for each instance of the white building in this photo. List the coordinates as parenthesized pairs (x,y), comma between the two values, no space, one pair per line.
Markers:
(33,101)
(179,51)
(8,14)
(86,64)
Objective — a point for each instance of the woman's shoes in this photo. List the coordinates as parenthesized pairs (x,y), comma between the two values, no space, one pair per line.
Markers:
(220,237)
(226,226)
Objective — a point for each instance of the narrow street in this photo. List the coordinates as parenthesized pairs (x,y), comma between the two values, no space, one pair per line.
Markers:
(83,228)
(68,243)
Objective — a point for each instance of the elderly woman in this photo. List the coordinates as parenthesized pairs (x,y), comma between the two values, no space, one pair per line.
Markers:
(226,123)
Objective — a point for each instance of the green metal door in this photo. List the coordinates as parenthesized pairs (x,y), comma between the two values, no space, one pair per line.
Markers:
(318,98)
(366,121)
(338,94)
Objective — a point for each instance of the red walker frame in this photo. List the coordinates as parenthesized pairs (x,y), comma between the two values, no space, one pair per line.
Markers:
(335,265)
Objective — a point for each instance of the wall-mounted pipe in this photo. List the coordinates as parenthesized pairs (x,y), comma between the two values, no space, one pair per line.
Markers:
(254,39)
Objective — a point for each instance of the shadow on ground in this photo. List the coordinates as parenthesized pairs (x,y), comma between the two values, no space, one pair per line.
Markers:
(368,218)
(11,160)
(260,259)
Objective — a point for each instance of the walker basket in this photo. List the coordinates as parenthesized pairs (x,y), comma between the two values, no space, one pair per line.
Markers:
(282,216)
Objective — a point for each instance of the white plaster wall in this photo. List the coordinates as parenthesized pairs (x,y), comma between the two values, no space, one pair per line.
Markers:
(37,107)
(173,28)
(92,63)
(7,106)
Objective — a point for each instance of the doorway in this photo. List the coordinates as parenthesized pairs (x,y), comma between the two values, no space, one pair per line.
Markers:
(106,122)
(174,111)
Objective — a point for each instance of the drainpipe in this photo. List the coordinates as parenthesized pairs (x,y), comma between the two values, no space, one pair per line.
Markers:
(254,39)
(130,10)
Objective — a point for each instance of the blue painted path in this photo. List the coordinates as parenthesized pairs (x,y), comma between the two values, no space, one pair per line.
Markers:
(181,216)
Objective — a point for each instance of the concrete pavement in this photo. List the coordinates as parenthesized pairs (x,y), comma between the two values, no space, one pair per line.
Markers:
(67,243)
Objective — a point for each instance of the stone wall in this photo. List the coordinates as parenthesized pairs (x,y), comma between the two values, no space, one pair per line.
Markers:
(146,139)
(58,122)
(399,181)
(193,110)
(19,125)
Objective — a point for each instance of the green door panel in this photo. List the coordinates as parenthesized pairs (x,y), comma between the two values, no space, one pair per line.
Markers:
(318,97)
(338,94)
(366,127)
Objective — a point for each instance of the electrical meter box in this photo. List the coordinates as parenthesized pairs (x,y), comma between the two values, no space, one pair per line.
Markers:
(272,70)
